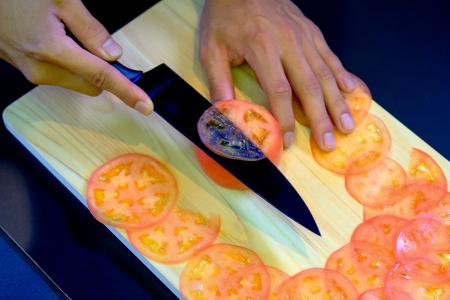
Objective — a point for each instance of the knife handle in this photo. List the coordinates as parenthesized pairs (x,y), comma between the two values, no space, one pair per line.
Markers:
(132,75)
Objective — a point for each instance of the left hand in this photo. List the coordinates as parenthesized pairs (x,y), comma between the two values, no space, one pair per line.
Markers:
(289,56)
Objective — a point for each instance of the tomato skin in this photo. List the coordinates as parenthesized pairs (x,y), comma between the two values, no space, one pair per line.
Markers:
(277,277)
(423,169)
(222,270)
(358,152)
(381,230)
(177,238)
(365,264)
(138,207)
(272,144)
(317,283)
(375,294)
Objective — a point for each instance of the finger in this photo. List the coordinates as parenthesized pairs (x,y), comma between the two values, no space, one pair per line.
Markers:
(344,79)
(308,89)
(264,59)
(361,84)
(42,73)
(89,31)
(334,100)
(217,68)
(101,74)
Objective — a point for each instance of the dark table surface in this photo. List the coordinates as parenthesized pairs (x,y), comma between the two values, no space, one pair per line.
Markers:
(400,48)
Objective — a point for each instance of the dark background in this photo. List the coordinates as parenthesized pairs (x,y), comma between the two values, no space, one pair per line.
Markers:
(400,49)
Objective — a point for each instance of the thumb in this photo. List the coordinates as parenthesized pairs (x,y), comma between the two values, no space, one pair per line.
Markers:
(89,31)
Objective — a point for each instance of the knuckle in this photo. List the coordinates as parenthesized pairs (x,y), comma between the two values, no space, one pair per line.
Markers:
(280,89)
(93,29)
(312,86)
(99,78)
(324,74)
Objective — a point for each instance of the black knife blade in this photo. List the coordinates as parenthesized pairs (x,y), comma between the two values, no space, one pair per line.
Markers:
(181,106)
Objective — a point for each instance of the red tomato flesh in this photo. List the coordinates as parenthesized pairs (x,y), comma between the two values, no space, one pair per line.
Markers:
(424,169)
(317,283)
(382,230)
(225,271)
(364,264)
(258,124)
(372,188)
(358,152)
(375,294)
(131,191)
(177,238)
(277,277)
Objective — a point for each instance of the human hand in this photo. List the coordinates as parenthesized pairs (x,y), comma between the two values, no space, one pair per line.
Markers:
(34,40)
(289,56)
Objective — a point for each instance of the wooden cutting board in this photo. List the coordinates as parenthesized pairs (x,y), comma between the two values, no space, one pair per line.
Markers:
(72,134)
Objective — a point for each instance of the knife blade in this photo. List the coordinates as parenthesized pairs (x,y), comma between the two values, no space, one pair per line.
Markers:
(182,106)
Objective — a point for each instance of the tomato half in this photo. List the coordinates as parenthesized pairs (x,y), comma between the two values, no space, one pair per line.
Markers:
(357,152)
(365,264)
(424,169)
(424,237)
(407,281)
(382,230)
(177,238)
(131,191)
(277,277)
(375,294)
(372,188)
(408,201)
(258,124)
(358,102)
(225,271)
(317,283)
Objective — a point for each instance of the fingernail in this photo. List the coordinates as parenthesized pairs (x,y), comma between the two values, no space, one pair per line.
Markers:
(349,83)
(143,107)
(111,48)
(288,139)
(328,140)
(347,121)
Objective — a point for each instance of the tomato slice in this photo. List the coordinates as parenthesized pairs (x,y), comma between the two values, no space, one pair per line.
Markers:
(424,169)
(408,201)
(365,264)
(441,211)
(407,281)
(358,102)
(372,188)
(225,271)
(131,191)
(317,283)
(258,124)
(277,277)
(357,152)
(375,294)
(182,234)
(424,237)
(381,230)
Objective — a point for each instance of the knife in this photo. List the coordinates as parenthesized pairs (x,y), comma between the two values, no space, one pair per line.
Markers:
(182,106)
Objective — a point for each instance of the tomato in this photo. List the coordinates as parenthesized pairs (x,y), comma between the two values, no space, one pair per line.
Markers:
(424,169)
(441,211)
(182,234)
(357,152)
(317,283)
(258,124)
(358,102)
(406,281)
(131,191)
(375,294)
(408,201)
(225,271)
(372,188)
(424,237)
(365,264)
(381,230)
(277,277)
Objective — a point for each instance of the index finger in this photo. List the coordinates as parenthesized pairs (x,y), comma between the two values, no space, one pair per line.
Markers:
(72,57)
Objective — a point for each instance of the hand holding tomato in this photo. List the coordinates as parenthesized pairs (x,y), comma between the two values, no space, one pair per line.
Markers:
(289,56)
(33,39)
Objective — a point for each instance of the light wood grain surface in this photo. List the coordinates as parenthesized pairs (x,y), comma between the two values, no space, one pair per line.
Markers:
(72,134)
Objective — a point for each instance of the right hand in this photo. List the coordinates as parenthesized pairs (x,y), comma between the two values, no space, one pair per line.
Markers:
(33,39)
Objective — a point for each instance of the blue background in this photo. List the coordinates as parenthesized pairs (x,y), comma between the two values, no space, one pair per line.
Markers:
(400,48)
